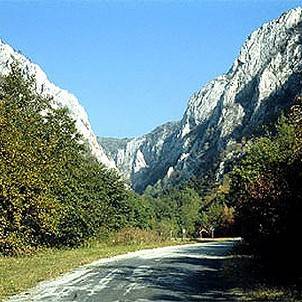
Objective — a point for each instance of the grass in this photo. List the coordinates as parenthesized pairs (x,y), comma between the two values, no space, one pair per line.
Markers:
(18,274)
(268,293)
(250,282)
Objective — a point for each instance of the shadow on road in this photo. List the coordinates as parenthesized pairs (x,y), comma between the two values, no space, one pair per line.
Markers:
(193,276)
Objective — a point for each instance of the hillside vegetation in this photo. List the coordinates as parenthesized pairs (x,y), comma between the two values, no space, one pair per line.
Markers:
(266,193)
(55,194)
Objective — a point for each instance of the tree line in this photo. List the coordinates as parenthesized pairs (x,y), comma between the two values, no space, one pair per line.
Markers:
(266,193)
(53,193)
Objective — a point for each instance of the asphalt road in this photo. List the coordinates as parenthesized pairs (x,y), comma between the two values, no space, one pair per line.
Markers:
(180,273)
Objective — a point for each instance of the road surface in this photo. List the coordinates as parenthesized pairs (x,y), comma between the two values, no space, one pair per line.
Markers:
(179,273)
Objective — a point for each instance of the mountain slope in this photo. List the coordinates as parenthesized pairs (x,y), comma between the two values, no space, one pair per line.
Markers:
(262,81)
(61,97)
(136,157)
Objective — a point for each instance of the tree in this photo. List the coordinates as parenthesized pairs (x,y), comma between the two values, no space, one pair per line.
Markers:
(52,191)
(266,191)
(29,211)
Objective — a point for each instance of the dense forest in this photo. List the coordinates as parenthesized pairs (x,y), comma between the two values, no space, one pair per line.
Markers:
(55,194)
(266,193)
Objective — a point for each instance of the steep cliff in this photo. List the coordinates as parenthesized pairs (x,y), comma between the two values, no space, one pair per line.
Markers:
(262,81)
(61,97)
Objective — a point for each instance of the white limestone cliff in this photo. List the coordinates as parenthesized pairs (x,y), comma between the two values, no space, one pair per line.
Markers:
(60,96)
(263,80)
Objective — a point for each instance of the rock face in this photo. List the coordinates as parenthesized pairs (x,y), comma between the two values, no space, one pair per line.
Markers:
(264,80)
(61,98)
(143,160)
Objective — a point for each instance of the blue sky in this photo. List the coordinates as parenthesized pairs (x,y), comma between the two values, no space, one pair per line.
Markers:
(133,64)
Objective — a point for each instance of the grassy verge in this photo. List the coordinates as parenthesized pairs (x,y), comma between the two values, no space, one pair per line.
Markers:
(20,273)
(248,281)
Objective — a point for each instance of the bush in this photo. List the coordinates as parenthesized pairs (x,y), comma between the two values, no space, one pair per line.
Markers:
(129,236)
(266,189)
(52,191)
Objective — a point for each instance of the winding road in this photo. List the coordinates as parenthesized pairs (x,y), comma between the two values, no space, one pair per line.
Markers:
(180,273)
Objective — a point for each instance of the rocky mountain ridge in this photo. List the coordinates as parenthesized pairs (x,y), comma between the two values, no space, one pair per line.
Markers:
(61,97)
(263,80)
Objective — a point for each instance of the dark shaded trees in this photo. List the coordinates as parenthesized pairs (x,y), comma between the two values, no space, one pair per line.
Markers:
(267,193)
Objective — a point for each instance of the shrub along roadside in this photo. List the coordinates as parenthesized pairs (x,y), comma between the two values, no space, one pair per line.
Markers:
(267,196)
(20,273)
(250,284)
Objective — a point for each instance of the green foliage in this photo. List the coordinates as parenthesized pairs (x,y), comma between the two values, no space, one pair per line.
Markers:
(182,212)
(189,209)
(130,236)
(140,212)
(266,191)
(269,151)
(168,228)
(28,209)
(52,192)
(216,215)
(175,211)
(218,218)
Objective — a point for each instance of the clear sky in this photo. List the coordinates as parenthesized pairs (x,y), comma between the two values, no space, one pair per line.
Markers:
(133,64)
